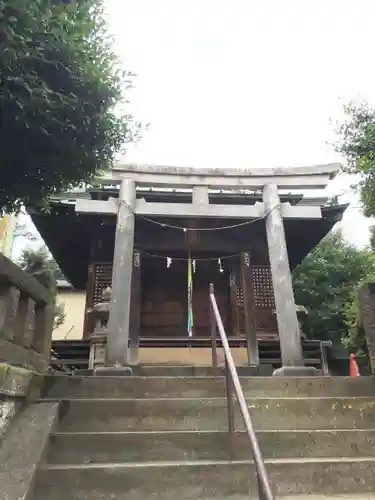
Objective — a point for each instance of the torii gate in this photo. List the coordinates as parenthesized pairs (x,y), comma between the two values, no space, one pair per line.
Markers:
(269,181)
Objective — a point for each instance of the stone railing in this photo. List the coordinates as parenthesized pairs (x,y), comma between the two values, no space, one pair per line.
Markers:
(26,318)
(18,386)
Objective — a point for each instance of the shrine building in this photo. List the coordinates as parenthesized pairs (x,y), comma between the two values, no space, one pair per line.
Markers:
(158,236)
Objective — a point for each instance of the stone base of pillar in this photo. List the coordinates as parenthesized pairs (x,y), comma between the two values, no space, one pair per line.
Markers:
(133,356)
(97,350)
(297,371)
(113,371)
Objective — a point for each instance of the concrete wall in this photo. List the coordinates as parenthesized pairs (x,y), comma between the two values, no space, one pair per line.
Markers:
(72,328)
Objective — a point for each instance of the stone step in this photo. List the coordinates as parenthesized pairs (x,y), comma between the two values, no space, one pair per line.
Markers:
(352,496)
(200,371)
(192,480)
(104,415)
(366,496)
(81,448)
(154,387)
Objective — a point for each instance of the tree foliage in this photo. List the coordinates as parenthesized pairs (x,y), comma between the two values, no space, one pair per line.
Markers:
(325,283)
(357,144)
(59,85)
(354,339)
(41,265)
(372,238)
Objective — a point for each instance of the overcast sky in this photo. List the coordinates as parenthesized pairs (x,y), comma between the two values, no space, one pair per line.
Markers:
(245,83)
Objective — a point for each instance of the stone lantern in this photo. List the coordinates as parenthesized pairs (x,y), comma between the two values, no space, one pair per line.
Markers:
(301,312)
(99,315)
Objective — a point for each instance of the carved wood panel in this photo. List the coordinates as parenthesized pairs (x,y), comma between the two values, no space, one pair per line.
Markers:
(262,287)
(102,279)
(265,319)
(99,278)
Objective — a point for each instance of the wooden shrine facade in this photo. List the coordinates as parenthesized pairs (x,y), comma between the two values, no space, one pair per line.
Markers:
(164,314)
(245,230)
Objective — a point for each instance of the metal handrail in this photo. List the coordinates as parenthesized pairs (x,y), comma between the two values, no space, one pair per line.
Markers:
(232,380)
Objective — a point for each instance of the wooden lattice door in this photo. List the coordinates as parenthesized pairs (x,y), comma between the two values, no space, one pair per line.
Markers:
(99,278)
(264,303)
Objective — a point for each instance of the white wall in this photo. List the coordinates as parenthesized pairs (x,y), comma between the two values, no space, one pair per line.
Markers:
(72,328)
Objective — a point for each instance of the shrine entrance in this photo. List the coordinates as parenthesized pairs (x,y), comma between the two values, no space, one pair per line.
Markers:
(164,295)
(218,273)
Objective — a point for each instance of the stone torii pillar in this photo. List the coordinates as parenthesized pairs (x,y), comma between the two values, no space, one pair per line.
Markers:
(287,320)
(117,350)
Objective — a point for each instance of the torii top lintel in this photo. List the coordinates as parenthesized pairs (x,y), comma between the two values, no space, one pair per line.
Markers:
(310,177)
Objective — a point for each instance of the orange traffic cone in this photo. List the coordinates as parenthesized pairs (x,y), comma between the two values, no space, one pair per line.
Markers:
(353,367)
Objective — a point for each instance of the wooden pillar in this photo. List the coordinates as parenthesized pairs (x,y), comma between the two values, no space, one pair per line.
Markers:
(90,284)
(88,326)
(289,332)
(249,310)
(135,309)
(117,352)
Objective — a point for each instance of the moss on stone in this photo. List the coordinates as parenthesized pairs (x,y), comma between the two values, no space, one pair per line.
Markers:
(16,381)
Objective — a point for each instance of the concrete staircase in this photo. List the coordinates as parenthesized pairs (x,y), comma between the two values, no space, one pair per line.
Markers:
(165,438)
